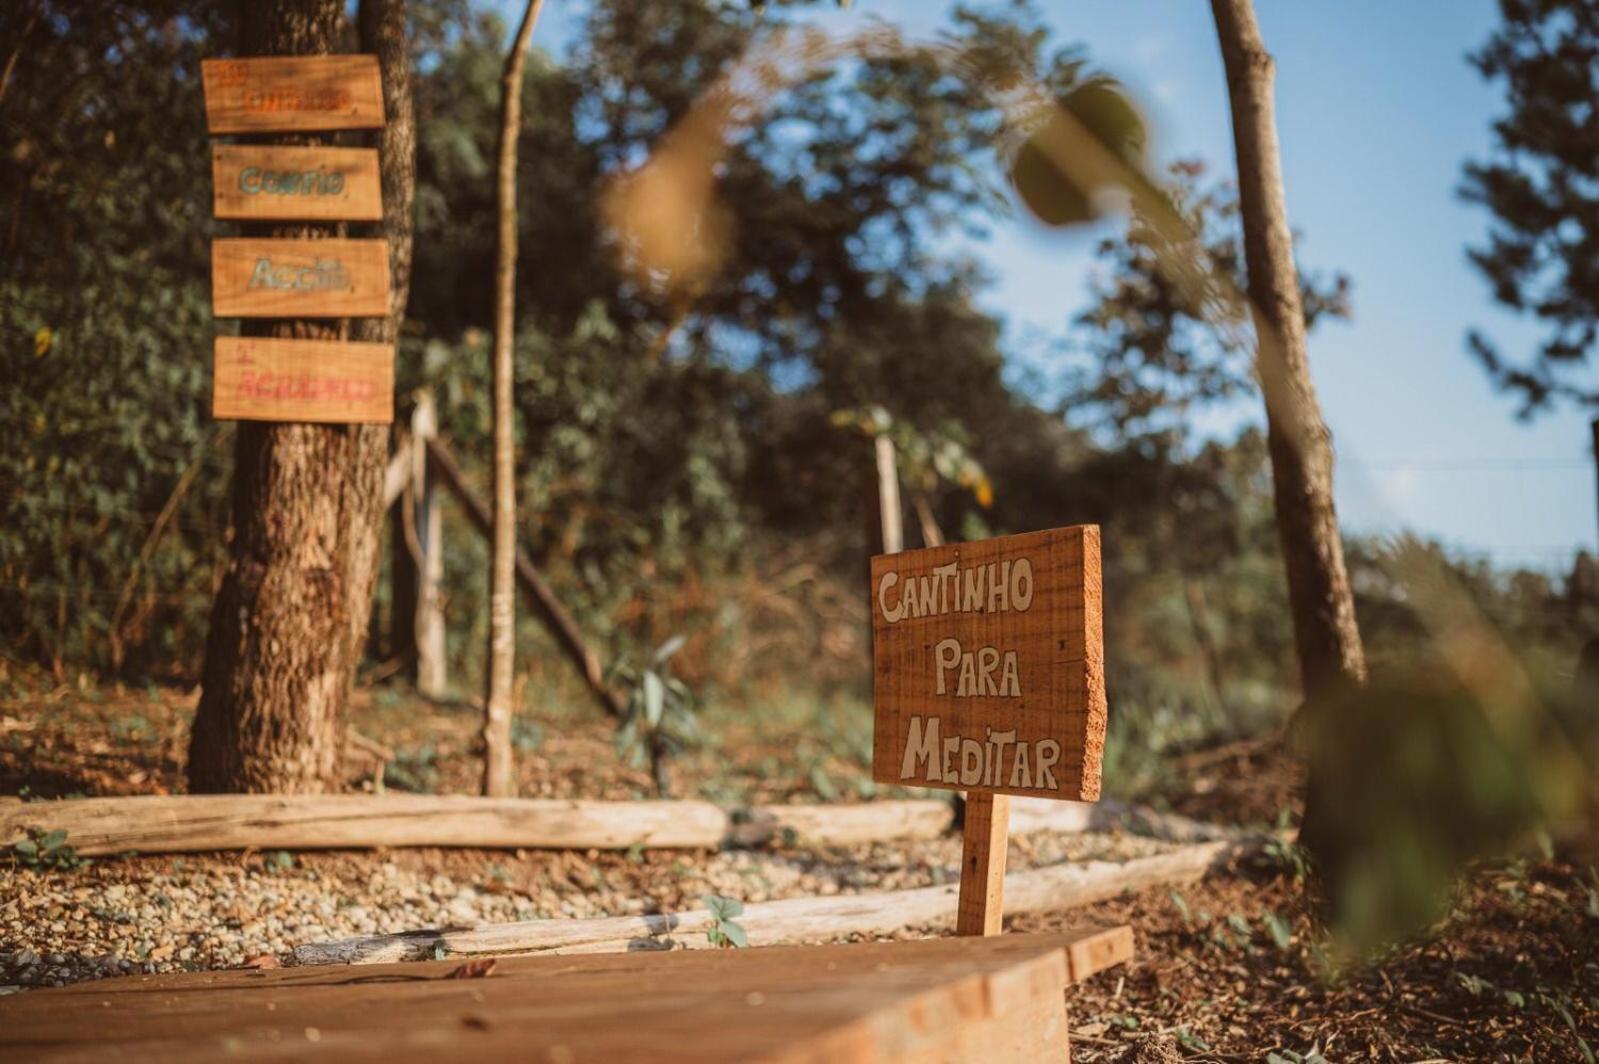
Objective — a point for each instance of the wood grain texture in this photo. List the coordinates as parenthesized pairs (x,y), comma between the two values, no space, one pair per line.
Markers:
(991,638)
(983,844)
(263,278)
(1052,889)
(279,182)
(262,379)
(283,94)
(958,1000)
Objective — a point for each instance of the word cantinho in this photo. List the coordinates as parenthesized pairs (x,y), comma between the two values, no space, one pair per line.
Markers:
(991,588)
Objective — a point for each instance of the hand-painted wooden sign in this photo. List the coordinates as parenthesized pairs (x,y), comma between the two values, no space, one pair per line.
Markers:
(316,184)
(989,666)
(299,278)
(288,93)
(259,379)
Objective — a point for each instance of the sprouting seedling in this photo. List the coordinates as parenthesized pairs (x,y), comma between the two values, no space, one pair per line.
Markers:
(48,849)
(724,932)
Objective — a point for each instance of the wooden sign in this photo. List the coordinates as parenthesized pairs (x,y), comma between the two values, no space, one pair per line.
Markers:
(290,93)
(989,665)
(299,278)
(317,184)
(261,379)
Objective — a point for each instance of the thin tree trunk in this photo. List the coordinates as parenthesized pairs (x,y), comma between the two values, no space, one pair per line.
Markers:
(498,777)
(1325,635)
(292,610)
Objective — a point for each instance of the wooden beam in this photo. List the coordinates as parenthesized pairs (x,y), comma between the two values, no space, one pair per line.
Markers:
(190,823)
(961,1001)
(558,622)
(1055,888)
(985,835)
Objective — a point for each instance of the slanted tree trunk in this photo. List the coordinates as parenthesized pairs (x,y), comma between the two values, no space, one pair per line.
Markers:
(498,777)
(289,619)
(1325,635)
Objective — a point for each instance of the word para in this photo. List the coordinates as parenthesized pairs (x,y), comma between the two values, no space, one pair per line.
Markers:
(976,670)
(332,98)
(323,273)
(253,180)
(992,588)
(998,760)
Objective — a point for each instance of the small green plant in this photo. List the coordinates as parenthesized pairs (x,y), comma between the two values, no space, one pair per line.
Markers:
(1189,1040)
(279,861)
(1290,1056)
(725,932)
(48,849)
(661,718)
(1281,934)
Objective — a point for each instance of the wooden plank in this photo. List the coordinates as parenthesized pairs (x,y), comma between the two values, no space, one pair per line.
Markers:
(277,181)
(984,838)
(1051,889)
(262,379)
(950,999)
(292,93)
(254,278)
(989,666)
(190,823)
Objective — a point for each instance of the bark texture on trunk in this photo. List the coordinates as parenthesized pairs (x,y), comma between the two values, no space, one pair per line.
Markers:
(290,617)
(1325,634)
(498,775)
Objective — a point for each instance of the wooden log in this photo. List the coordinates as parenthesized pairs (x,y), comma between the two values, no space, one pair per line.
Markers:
(190,823)
(1057,887)
(842,825)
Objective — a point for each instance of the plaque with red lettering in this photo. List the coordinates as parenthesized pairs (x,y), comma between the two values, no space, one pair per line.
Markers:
(262,379)
(292,93)
(989,666)
(273,181)
(332,278)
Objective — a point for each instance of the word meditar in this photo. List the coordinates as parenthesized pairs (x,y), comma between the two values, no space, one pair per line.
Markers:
(992,588)
(323,273)
(977,670)
(970,763)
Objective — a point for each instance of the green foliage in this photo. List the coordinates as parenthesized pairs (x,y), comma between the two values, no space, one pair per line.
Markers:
(1541,185)
(660,719)
(48,850)
(725,932)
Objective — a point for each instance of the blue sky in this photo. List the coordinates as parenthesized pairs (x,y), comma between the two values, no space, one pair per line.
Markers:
(1377,109)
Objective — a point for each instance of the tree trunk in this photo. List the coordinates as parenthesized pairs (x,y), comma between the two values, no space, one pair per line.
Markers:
(498,778)
(289,619)
(1325,635)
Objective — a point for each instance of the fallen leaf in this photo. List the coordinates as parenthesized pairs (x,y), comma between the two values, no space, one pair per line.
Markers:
(263,960)
(478,969)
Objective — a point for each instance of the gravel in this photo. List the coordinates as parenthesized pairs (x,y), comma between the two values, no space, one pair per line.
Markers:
(194,912)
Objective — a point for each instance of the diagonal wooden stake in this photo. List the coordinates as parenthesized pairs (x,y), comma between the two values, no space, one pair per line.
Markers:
(982,897)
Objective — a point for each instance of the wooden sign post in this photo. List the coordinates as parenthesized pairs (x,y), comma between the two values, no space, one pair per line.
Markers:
(989,677)
(312,380)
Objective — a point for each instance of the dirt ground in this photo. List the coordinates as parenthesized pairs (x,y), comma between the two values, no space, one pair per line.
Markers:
(1232,968)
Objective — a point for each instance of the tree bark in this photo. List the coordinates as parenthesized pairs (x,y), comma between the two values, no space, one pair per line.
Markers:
(498,777)
(1325,634)
(290,617)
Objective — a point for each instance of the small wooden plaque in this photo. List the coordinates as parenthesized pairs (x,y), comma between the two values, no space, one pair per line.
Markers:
(989,666)
(262,379)
(280,182)
(290,93)
(299,278)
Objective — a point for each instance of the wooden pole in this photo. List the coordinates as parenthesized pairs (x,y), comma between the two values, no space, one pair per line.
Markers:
(498,774)
(432,675)
(984,838)
(890,524)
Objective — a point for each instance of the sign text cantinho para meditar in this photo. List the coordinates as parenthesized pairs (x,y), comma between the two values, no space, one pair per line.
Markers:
(989,666)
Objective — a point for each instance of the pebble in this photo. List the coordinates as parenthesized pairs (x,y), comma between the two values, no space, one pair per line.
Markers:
(121,916)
